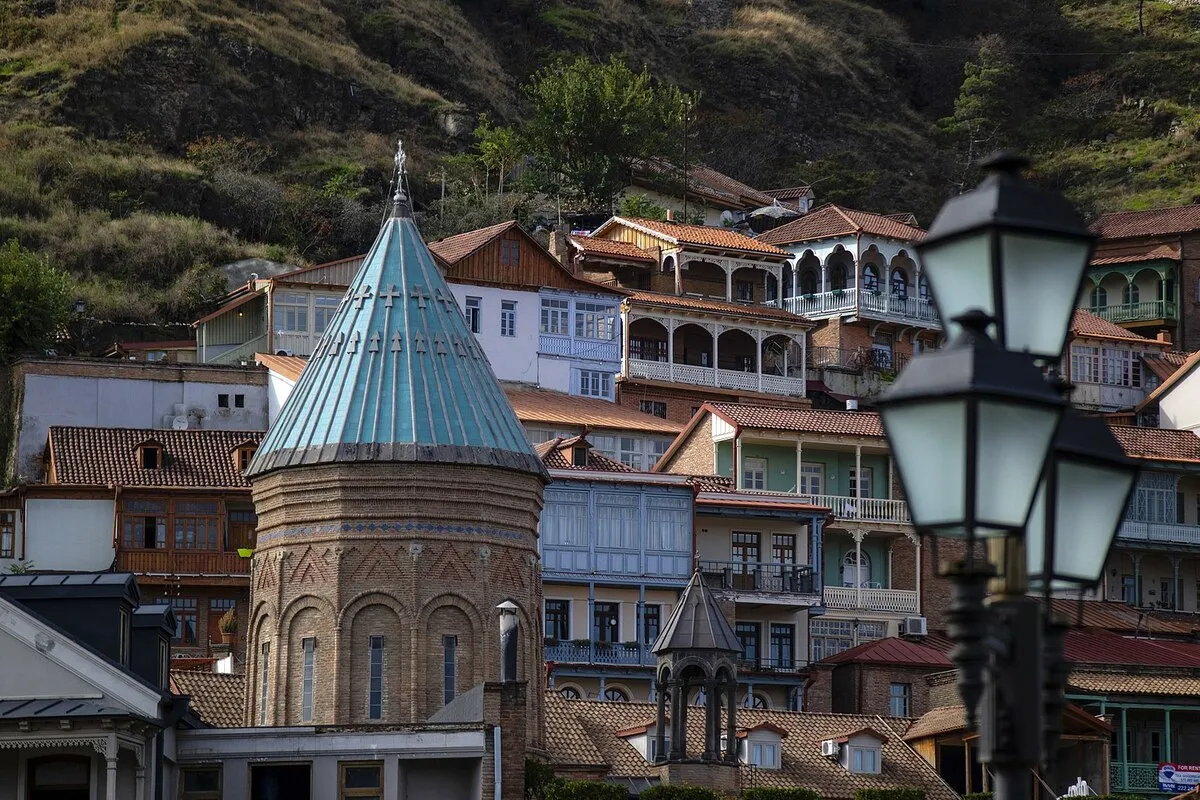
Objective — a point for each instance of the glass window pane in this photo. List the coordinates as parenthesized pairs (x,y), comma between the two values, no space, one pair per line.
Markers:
(363,777)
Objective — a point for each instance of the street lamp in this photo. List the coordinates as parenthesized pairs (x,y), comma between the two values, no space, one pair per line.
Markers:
(1013,250)
(975,431)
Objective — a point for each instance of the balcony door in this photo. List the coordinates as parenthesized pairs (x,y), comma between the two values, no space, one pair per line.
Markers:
(748,634)
(746,555)
(856,569)
(604,623)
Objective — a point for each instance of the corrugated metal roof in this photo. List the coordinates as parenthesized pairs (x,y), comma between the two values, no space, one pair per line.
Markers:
(55,708)
(397,375)
(892,650)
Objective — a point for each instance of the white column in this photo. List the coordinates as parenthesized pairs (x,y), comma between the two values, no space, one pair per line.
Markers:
(716,334)
(799,463)
(110,760)
(795,280)
(625,344)
(758,340)
(671,348)
(916,541)
(858,481)
(728,280)
(858,582)
(139,777)
(678,274)
(824,287)
(738,477)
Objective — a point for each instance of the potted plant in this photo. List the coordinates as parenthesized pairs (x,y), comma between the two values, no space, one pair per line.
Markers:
(631,645)
(583,643)
(228,626)
(550,641)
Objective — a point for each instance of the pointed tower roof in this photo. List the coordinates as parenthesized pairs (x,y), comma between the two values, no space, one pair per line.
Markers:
(397,375)
(696,623)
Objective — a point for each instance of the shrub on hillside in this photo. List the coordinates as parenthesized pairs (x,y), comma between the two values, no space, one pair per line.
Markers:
(780,794)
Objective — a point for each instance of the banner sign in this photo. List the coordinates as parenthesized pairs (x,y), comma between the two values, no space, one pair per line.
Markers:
(1178,778)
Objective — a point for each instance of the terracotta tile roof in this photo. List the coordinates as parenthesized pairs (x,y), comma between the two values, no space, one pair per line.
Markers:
(712,483)
(1135,252)
(1172,380)
(217,699)
(716,307)
(107,456)
(892,650)
(1158,444)
(611,248)
(289,367)
(789,192)
(937,721)
(905,217)
(1164,365)
(747,196)
(1135,683)
(1085,323)
(1154,222)
(700,235)
(453,249)
(802,764)
(831,220)
(534,406)
(807,420)
(1118,617)
(557,454)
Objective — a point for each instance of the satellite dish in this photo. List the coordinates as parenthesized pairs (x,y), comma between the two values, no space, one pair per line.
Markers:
(179,423)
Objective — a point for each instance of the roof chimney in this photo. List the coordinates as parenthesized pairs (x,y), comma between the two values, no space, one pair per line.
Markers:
(670,215)
(1164,336)
(852,404)
(558,246)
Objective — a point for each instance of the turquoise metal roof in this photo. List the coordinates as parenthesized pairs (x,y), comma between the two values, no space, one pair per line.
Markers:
(397,375)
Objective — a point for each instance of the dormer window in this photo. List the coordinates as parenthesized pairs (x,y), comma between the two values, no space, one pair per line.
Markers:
(864,760)
(243,454)
(860,752)
(149,455)
(579,456)
(763,754)
(761,746)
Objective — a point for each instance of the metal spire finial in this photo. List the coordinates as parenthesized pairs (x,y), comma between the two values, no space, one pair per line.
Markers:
(399,198)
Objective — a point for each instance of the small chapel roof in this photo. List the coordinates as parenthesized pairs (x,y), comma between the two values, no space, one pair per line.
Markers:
(397,375)
(697,623)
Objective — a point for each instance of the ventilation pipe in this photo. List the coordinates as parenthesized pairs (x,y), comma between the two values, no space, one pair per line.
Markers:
(508,641)
(852,404)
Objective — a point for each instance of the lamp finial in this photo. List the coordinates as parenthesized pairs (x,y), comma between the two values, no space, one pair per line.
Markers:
(1004,162)
(399,197)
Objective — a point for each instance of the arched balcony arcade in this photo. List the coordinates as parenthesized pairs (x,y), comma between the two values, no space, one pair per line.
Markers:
(704,352)
(1133,294)
(874,287)
(735,280)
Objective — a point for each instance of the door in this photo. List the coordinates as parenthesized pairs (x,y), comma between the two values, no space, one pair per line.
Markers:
(280,781)
(856,572)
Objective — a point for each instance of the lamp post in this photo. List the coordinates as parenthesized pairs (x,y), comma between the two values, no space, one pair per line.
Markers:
(990,454)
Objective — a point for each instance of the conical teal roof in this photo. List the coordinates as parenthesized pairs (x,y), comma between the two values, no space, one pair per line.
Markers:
(397,375)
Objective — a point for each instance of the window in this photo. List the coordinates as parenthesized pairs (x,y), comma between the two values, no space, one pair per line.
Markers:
(593,383)
(200,783)
(565,519)
(474,309)
(605,622)
(508,317)
(222,401)
(745,549)
(783,641)
(306,681)
(652,749)
(556,316)
(856,568)
(264,660)
(668,523)
(217,606)
(870,279)
(1166,290)
(185,619)
(239,401)
(196,525)
(361,780)
(748,635)
(1108,365)
(145,524)
(1165,599)
(837,277)
(616,695)
(812,479)
(156,355)
(922,288)
(510,253)
(8,534)
(558,620)
(655,407)
(866,482)
(594,320)
(658,448)
(324,307)
(243,456)
(648,349)
(764,755)
(1156,746)
(1131,294)
(616,522)
(754,473)
(651,623)
(579,456)
(783,548)
(149,456)
(1179,509)
(899,283)
(1099,297)
(830,637)
(898,694)
(570,693)
(864,759)
(808,282)
(449,667)
(743,290)
(629,451)
(375,679)
(291,312)
(123,638)
(1129,590)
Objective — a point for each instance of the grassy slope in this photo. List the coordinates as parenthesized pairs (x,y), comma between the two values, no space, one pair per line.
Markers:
(97,109)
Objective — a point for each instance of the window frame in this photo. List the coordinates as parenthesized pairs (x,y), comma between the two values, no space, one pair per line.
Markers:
(596,321)
(857,757)
(595,383)
(655,408)
(612,612)
(203,794)
(308,649)
(508,318)
(345,793)
(375,669)
(8,533)
(753,478)
(264,688)
(449,668)
(555,317)
(473,313)
(184,608)
(899,699)
(557,619)
(650,632)
(290,313)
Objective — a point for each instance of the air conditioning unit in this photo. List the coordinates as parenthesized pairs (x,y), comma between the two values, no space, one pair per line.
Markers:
(829,748)
(915,626)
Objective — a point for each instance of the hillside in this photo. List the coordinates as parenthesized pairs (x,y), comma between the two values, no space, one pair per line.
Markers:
(145,142)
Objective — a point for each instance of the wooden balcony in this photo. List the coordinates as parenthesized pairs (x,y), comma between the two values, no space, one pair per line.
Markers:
(897,601)
(183,563)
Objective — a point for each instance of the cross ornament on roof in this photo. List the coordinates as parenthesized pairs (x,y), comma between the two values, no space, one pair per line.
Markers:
(401,158)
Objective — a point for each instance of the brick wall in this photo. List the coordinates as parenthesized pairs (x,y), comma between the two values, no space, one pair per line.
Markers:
(1188,337)
(904,563)
(682,400)
(721,778)
(935,589)
(504,705)
(943,689)
(874,683)
(695,455)
(818,692)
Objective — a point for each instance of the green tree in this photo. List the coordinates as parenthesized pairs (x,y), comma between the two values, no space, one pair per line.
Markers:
(590,122)
(639,206)
(984,111)
(499,150)
(36,301)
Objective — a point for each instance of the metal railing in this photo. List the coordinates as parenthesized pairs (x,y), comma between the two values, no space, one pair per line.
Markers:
(900,601)
(1137,312)
(865,302)
(1127,776)
(1164,532)
(711,376)
(589,652)
(860,359)
(771,664)
(754,576)
(870,509)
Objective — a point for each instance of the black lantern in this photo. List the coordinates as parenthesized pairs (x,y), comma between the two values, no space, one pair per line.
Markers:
(970,427)
(1013,250)
(1079,505)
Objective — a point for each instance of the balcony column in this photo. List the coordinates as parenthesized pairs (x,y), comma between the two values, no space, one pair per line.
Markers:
(739,480)
(1124,750)
(639,623)
(858,475)
(624,339)
(725,265)
(603,687)
(824,278)
(1174,588)
(679,274)
(891,476)
(716,336)
(799,463)
(591,623)
(858,535)
(916,542)
(795,281)
(1137,580)
(758,340)
(671,348)
(1167,733)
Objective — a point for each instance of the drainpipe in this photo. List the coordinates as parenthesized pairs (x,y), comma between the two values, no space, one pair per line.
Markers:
(497,767)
